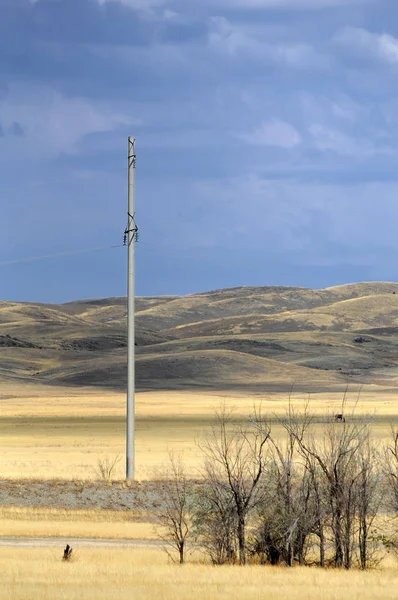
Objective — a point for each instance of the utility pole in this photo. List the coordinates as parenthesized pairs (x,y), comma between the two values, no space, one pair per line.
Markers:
(130,237)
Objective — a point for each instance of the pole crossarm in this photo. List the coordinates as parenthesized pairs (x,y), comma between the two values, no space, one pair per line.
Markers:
(132,227)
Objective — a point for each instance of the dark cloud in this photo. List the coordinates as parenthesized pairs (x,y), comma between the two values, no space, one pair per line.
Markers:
(53,41)
(74,21)
(88,22)
(237,212)
(82,47)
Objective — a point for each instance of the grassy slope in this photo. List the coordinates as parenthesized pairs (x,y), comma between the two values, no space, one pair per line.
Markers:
(244,337)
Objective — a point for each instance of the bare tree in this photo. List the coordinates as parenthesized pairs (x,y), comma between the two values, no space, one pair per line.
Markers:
(287,490)
(335,456)
(321,510)
(287,514)
(106,467)
(368,497)
(235,460)
(173,516)
(391,471)
(284,523)
(214,519)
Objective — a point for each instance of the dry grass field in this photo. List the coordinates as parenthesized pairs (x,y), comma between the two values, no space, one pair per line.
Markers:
(55,522)
(101,574)
(57,433)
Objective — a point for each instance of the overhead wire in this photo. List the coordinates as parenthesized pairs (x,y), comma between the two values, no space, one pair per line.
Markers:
(175,252)
(57,254)
(166,249)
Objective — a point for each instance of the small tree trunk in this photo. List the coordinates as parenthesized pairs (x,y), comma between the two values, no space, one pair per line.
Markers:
(338,541)
(290,554)
(241,540)
(181,552)
(347,546)
(321,546)
(302,539)
(363,535)
(347,553)
(229,548)
(348,529)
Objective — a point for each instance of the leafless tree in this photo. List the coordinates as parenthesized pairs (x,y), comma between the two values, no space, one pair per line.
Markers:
(335,458)
(285,517)
(106,467)
(273,496)
(391,471)
(321,510)
(292,492)
(368,497)
(235,461)
(173,517)
(214,519)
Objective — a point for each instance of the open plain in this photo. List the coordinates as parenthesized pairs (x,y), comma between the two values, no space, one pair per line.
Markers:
(62,408)
(48,433)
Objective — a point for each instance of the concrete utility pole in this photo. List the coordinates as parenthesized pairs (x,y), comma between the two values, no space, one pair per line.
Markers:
(131,237)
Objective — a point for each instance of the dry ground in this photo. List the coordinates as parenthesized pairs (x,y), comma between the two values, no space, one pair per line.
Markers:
(58,434)
(147,574)
(94,524)
(48,432)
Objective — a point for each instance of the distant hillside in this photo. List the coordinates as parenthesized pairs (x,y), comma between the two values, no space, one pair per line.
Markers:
(257,338)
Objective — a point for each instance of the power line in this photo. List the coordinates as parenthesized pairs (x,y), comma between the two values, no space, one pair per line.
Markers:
(168,250)
(57,254)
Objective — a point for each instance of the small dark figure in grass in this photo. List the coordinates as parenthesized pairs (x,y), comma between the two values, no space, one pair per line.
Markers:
(67,553)
(339,418)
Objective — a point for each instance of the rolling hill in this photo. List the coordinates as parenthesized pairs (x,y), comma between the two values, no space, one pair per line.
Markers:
(257,338)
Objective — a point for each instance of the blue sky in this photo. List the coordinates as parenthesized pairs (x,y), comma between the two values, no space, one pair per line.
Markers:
(267,143)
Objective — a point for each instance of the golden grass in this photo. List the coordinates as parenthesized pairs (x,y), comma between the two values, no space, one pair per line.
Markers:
(42,522)
(147,574)
(47,401)
(50,432)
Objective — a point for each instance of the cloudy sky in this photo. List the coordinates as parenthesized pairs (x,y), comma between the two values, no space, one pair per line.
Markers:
(267,144)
